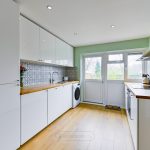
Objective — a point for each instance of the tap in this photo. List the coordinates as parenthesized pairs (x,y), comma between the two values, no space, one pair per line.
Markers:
(52,76)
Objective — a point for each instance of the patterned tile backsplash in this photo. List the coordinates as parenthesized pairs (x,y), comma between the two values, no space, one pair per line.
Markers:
(40,73)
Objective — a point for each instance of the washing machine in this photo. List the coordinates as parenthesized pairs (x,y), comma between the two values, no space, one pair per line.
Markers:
(76,94)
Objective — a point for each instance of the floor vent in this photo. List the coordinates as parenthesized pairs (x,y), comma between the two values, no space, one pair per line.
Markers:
(113,107)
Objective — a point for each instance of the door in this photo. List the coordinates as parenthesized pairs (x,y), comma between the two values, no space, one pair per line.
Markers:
(115,79)
(93,79)
(104,78)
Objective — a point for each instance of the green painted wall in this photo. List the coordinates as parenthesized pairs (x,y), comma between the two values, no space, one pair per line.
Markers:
(130,44)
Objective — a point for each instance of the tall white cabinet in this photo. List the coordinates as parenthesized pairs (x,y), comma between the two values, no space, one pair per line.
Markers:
(9,76)
(36,44)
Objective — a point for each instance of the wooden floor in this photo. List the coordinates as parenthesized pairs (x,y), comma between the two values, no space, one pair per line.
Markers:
(87,127)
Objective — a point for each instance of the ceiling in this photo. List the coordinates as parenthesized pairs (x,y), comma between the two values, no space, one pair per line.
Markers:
(85,22)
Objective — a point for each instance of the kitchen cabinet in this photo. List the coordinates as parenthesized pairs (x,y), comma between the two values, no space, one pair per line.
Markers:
(9,117)
(53,104)
(33,114)
(29,40)
(133,118)
(47,47)
(69,53)
(9,74)
(67,97)
(131,106)
(9,46)
(36,44)
(59,101)
(60,53)
(64,53)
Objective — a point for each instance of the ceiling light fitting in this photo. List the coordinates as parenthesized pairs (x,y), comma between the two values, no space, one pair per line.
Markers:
(49,7)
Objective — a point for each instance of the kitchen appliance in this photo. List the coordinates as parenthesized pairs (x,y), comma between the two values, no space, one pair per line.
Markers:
(9,76)
(145,79)
(66,78)
(76,95)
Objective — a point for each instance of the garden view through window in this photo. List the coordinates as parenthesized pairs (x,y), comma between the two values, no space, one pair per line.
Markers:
(93,68)
(115,67)
(134,67)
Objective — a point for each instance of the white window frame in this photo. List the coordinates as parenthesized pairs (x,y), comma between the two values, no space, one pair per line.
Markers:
(115,62)
(126,67)
(90,56)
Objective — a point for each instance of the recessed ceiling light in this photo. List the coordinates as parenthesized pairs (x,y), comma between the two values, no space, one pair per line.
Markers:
(113,26)
(49,7)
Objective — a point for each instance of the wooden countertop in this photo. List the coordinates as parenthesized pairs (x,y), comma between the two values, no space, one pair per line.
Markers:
(138,91)
(36,88)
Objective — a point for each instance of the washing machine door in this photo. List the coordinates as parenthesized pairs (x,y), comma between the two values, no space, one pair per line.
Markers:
(77,94)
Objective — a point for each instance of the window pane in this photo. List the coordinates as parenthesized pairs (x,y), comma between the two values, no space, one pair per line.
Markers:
(115,71)
(93,68)
(115,57)
(134,67)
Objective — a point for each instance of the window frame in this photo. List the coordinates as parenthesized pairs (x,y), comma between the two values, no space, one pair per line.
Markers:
(143,67)
(116,62)
(91,56)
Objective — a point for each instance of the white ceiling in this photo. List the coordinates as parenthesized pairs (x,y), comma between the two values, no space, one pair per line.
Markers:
(91,19)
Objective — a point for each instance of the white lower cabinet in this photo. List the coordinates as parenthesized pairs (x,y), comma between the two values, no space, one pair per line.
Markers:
(134,119)
(59,101)
(67,97)
(33,114)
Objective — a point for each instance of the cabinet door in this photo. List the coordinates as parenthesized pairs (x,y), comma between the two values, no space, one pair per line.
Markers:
(9,117)
(33,114)
(67,99)
(59,101)
(9,42)
(126,98)
(134,120)
(55,103)
(47,46)
(60,53)
(69,52)
(29,40)
(52,105)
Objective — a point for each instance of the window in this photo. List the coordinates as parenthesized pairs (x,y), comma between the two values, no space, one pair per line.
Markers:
(115,67)
(115,57)
(93,68)
(134,66)
(115,71)
(148,67)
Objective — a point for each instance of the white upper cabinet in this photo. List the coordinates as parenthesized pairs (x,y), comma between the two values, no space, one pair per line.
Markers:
(29,40)
(64,53)
(69,52)
(47,46)
(39,45)
(60,53)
